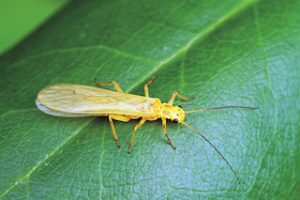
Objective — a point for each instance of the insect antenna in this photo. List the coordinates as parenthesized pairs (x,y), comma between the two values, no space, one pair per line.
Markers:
(221,107)
(216,149)
(189,118)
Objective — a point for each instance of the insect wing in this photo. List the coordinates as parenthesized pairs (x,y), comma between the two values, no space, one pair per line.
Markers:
(69,100)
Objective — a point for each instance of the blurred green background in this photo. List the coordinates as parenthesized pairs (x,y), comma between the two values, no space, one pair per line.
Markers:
(18,18)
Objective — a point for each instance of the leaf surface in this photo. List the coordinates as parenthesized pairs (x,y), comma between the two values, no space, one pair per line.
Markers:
(240,52)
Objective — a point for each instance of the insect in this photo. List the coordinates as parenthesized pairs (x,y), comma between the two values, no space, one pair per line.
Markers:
(71,100)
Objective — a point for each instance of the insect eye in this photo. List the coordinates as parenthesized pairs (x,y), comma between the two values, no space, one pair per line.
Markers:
(175,120)
(179,106)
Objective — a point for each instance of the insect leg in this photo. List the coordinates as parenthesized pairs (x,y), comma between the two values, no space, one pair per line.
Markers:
(113,130)
(174,95)
(146,91)
(121,118)
(134,133)
(164,127)
(115,84)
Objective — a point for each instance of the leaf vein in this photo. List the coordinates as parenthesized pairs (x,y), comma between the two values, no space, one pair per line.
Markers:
(267,71)
(27,175)
(86,48)
(194,40)
(161,64)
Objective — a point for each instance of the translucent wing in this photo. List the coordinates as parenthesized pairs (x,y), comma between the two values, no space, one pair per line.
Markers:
(69,100)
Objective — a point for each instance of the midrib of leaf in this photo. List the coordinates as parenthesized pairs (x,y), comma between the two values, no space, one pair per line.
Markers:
(34,168)
(160,64)
(194,40)
(242,6)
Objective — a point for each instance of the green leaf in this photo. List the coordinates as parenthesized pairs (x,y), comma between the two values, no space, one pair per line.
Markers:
(220,53)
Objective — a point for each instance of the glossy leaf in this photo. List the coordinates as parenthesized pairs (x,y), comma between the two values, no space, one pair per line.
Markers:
(240,52)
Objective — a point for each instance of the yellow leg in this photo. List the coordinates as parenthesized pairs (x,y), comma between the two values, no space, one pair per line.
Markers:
(164,127)
(134,133)
(113,131)
(119,118)
(174,95)
(146,90)
(115,84)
